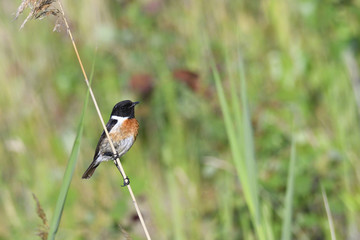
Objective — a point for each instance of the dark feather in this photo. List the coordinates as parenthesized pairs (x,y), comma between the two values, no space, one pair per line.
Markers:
(89,172)
(111,123)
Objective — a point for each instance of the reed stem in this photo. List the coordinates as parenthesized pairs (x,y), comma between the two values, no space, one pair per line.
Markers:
(117,161)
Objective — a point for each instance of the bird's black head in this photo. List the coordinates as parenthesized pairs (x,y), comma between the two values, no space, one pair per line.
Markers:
(124,109)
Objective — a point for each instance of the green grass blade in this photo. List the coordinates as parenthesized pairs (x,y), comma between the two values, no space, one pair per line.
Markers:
(67,179)
(242,151)
(248,142)
(287,224)
(235,100)
(249,155)
(267,220)
(328,213)
(233,140)
(54,226)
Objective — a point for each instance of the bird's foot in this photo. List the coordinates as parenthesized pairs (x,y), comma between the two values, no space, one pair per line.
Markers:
(126,179)
(126,182)
(115,156)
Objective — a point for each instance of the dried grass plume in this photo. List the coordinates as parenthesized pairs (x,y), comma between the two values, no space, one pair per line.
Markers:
(38,10)
(44,228)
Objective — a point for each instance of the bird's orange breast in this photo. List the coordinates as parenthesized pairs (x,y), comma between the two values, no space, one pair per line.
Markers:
(127,129)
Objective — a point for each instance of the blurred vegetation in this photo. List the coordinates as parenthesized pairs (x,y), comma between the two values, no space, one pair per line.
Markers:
(299,80)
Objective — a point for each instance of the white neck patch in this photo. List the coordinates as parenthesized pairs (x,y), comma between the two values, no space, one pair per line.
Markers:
(119,119)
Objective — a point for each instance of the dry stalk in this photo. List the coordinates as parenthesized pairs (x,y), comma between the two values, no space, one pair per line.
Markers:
(117,161)
(43,8)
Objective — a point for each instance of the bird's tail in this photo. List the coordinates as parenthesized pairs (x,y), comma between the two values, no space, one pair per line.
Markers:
(89,172)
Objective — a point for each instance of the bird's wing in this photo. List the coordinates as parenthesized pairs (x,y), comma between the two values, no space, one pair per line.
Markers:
(111,123)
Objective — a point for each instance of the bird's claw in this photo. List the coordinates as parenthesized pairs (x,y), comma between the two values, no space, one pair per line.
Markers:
(126,179)
(116,156)
(126,182)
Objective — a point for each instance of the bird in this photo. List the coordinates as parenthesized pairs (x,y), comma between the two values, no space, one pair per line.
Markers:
(123,130)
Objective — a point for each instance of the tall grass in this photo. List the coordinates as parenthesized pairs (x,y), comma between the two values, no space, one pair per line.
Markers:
(241,143)
(210,162)
(288,206)
(329,216)
(70,168)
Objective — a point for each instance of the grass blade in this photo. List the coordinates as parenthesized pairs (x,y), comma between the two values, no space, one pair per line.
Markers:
(286,227)
(67,177)
(267,220)
(248,143)
(242,147)
(233,140)
(54,226)
(328,213)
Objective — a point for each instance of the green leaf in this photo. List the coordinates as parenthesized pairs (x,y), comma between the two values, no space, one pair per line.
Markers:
(55,222)
(287,223)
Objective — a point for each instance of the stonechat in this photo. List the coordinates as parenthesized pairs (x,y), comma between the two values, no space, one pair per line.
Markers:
(123,129)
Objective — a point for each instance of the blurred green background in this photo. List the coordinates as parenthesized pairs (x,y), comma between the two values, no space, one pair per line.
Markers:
(297,62)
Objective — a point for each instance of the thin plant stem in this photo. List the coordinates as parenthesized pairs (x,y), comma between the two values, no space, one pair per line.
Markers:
(328,213)
(117,161)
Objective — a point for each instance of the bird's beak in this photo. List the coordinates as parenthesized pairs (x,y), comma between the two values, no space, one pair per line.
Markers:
(134,103)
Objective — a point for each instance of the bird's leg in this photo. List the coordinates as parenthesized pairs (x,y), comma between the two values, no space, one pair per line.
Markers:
(115,156)
(126,179)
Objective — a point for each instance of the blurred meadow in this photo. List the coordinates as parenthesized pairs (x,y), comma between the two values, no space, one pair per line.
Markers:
(248,110)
